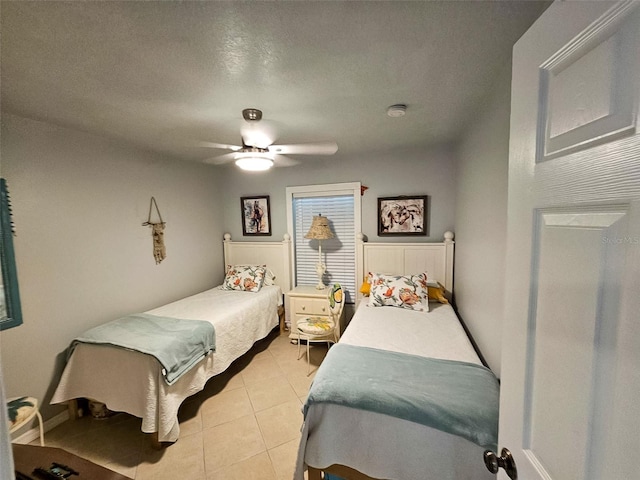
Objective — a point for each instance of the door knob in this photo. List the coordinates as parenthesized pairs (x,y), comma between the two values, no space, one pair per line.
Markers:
(494,462)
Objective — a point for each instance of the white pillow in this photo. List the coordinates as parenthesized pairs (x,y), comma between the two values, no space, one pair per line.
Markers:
(269,278)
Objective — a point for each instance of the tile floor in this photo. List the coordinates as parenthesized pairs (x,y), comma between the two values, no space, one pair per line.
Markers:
(245,424)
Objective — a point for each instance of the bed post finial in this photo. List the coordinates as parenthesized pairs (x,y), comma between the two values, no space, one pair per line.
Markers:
(227,237)
(359,262)
(286,237)
(448,245)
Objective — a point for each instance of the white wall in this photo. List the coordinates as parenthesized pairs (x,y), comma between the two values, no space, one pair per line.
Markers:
(402,172)
(82,254)
(481,216)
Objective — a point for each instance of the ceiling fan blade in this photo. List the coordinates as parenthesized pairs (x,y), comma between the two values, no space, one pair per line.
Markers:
(224,146)
(327,148)
(221,159)
(282,161)
(259,135)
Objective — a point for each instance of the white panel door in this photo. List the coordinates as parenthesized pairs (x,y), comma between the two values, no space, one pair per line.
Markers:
(570,401)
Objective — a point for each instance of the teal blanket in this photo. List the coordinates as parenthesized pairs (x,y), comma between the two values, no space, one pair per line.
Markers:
(455,397)
(177,344)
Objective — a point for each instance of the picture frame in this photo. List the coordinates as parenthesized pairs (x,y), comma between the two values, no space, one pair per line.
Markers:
(256,215)
(10,308)
(403,215)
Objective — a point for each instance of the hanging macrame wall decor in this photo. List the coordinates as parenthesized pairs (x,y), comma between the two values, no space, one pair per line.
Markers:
(157,231)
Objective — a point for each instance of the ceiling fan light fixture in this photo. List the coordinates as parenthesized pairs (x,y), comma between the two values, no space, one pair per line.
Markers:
(251,114)
(254,163)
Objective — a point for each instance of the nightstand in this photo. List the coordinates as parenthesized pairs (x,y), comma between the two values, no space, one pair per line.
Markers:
(303,301)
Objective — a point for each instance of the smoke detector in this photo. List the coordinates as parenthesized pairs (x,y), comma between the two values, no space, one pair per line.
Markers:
(397,110)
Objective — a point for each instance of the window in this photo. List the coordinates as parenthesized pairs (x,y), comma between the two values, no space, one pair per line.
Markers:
(340,203)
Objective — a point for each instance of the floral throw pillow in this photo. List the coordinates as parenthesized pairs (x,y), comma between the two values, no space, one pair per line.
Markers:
(269,277)
(244,277)
(404,291)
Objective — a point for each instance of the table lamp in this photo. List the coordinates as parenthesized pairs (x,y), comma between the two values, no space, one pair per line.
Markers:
(320,231)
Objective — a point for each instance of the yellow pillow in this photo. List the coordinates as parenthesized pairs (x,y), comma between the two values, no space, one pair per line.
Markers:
(436,294)
(365,289)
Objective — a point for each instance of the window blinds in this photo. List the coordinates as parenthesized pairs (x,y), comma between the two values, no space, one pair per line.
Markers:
(339,253)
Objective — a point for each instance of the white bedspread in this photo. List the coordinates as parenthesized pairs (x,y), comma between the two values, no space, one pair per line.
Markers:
(382,446)
(436,334)
(132,382)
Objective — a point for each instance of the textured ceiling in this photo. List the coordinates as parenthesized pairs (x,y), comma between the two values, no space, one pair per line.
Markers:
(167,75)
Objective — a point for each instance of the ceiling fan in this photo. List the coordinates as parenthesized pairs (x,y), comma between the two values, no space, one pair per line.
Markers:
(258,152)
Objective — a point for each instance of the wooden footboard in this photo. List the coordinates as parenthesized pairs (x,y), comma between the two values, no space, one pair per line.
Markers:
(347,473)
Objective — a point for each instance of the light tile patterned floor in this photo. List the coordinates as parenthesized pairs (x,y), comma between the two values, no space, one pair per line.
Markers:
(244,425)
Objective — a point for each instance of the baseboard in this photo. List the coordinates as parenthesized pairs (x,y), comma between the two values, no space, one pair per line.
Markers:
(34,433)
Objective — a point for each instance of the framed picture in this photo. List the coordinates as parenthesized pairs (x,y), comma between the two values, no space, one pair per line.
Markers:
(256,215)
(406,215)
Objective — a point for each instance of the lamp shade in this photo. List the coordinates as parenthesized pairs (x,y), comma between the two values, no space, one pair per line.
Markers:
(319,229)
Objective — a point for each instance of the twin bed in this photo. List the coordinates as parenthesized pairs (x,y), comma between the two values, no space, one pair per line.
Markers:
(403,395)
(134,382)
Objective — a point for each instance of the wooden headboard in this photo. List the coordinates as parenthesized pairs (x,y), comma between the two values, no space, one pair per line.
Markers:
(407,258)
(275,255)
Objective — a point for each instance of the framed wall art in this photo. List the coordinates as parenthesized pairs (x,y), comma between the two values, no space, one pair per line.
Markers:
(10,308)
(256,215)
(404,215)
